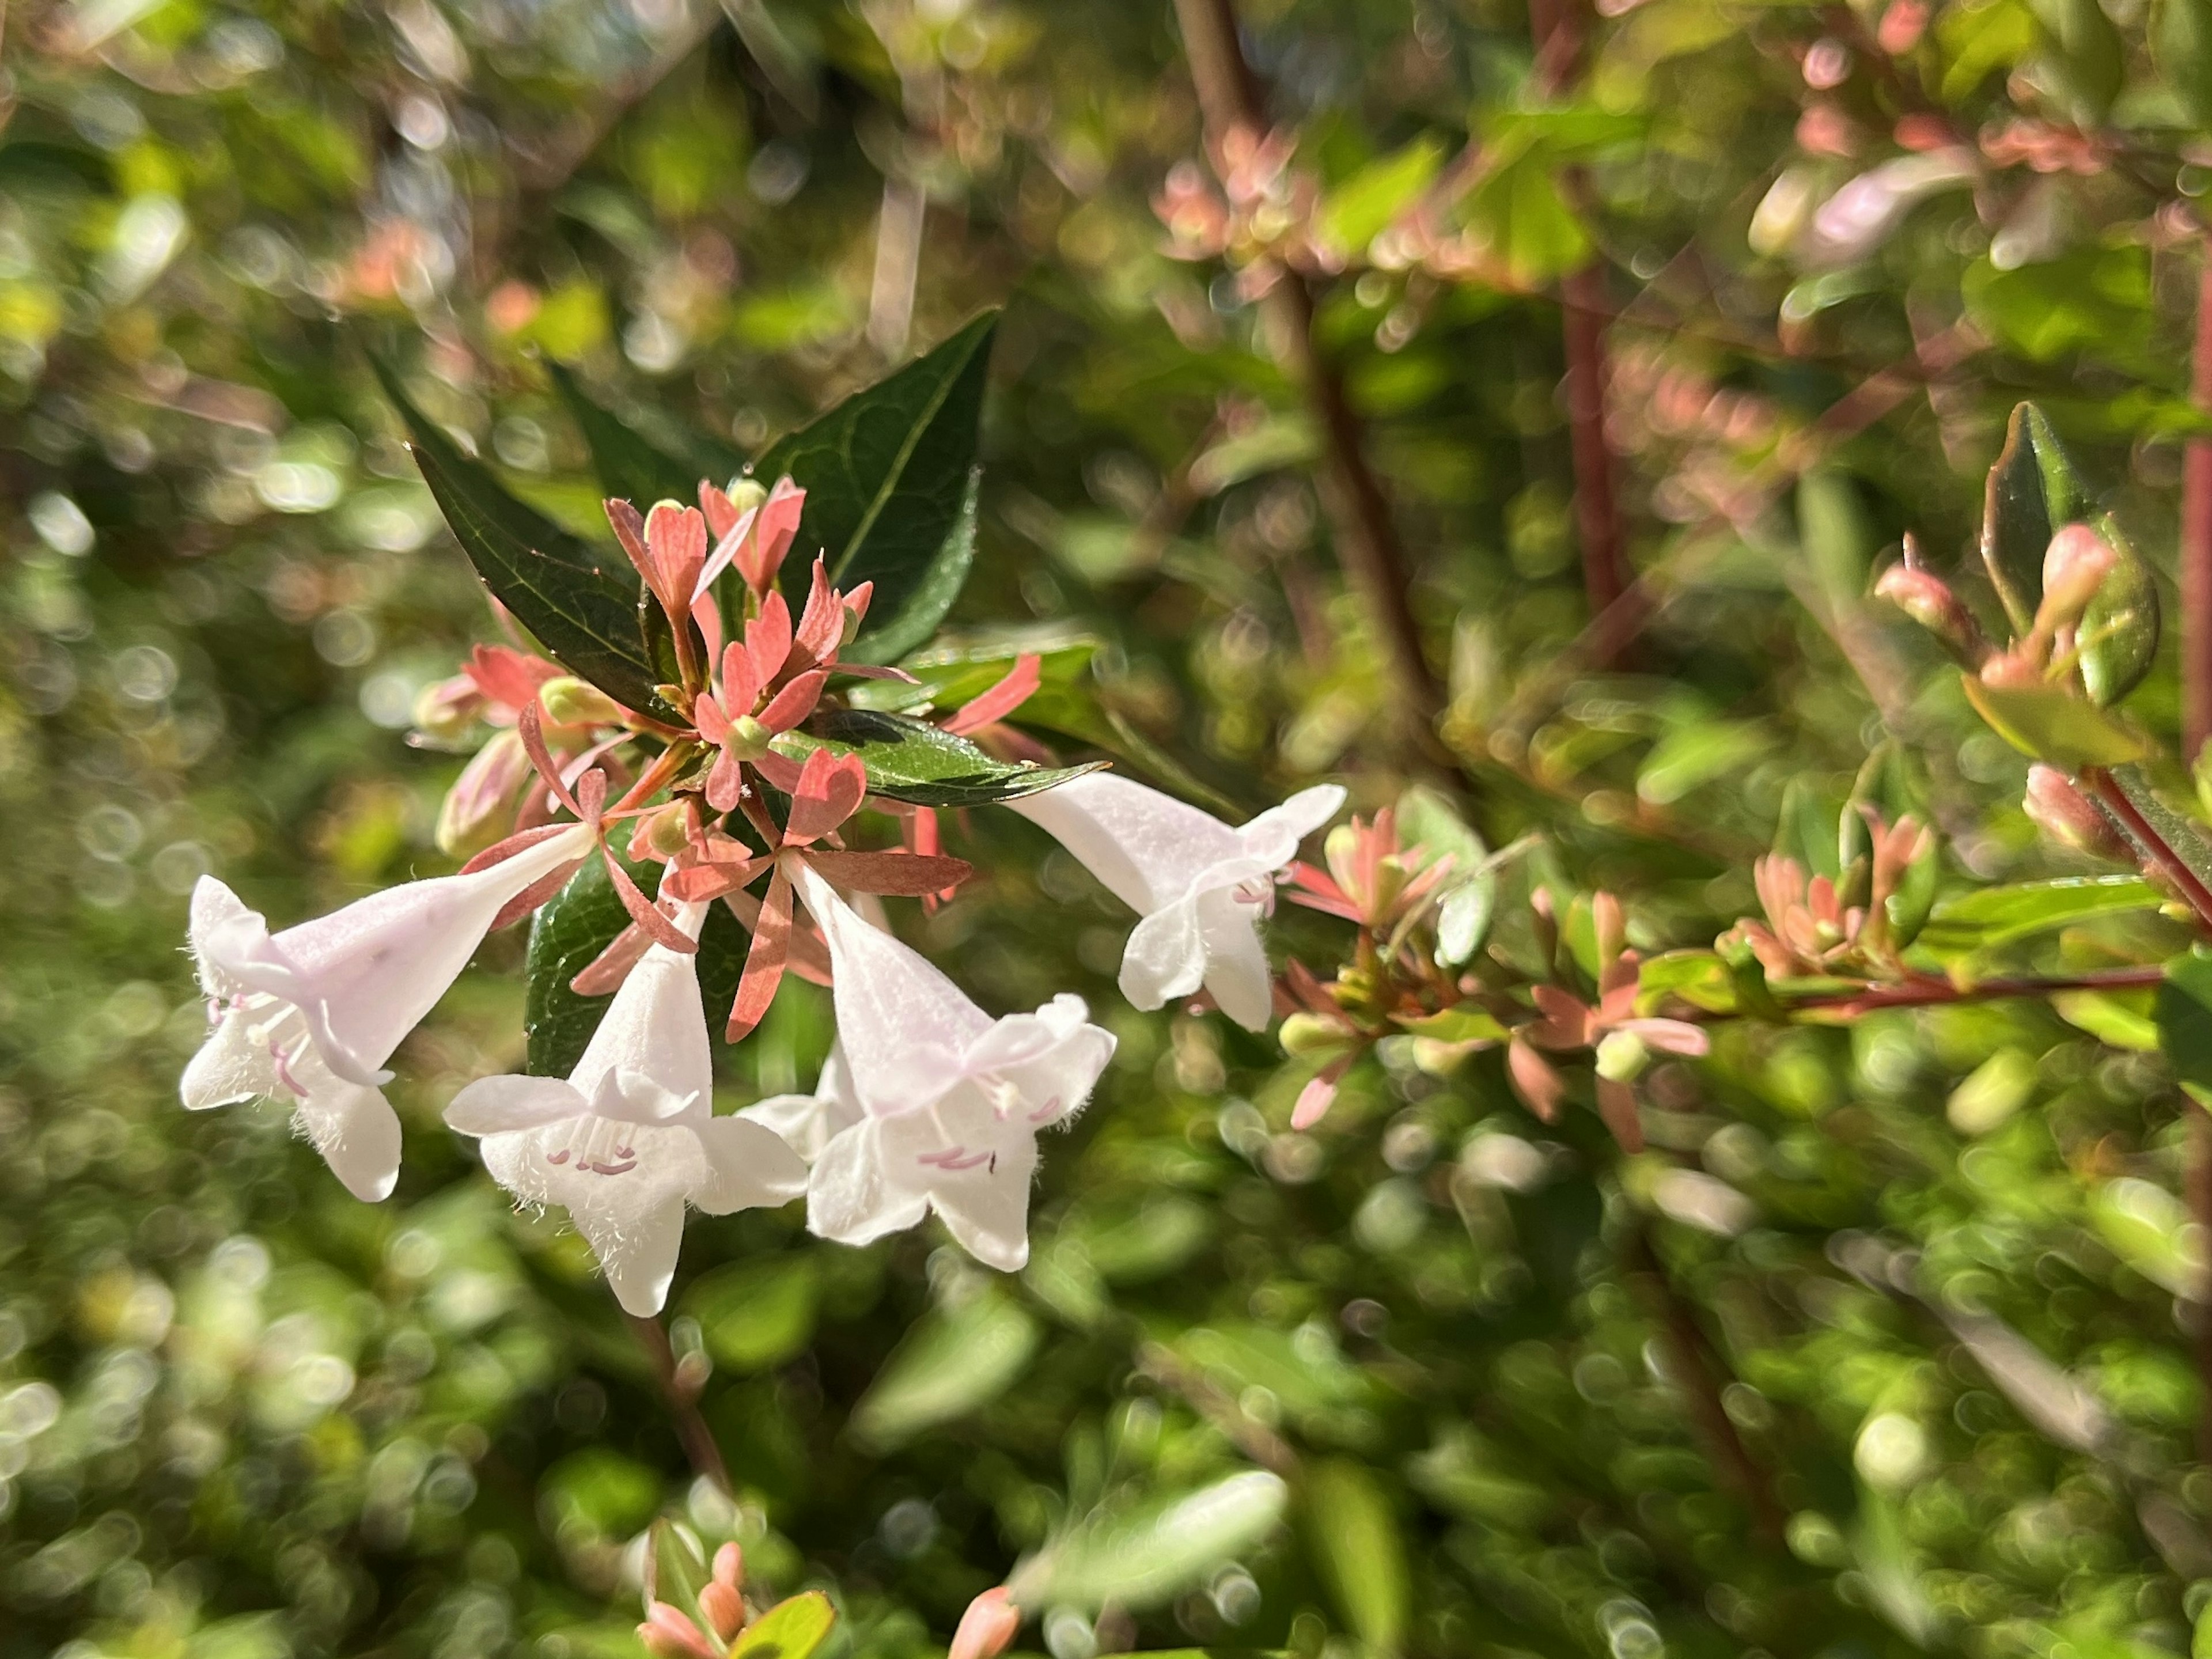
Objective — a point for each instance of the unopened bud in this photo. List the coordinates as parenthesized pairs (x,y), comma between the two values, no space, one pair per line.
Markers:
(851,630)
(445,712)
(2073,567)
(662,834)
(568,701)
(988,1627)
(746,493)
(729,1565)
(724,1610)
(2070,817)
(1309,1036)
(1928,600)
(1621,1056)
(2010,671)
(668,1634)
(747,738)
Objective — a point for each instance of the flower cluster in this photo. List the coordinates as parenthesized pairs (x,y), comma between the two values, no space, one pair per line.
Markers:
(928,1104)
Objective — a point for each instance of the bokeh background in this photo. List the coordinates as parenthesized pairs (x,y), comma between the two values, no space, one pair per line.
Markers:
(1883,1347)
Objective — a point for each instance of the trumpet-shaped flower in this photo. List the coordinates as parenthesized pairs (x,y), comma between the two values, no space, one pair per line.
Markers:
(808,1123)
(1202,887)
(950,1101)
(311,1014)
(630,1136)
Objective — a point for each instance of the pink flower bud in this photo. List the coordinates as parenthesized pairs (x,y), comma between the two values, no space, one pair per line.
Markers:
(445,712)
(1928,600)
(725,1610)
(2070,817)
(2073,569)
(668,1634)
(730,1566)
(987,1627)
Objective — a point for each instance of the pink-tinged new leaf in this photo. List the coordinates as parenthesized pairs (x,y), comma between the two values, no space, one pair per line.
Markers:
(905,875)
(629,530)
(533,739)
(1019,684)
(829,790)
(1567,1019)
(795,701)
(1616,1104)
(764,963)
(1541,1088)
(501,852)
(507,676)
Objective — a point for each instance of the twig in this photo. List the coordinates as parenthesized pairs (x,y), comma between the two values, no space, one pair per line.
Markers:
(1702,1372)
(1941,994)
(2153,845)
(1366,540)
(682,1399)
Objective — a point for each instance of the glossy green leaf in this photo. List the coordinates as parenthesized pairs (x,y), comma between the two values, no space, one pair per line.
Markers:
(1468,1024)
(910,760)
(629,465)
(1697,754)
(791,1629)
(1142,1558)
(2053,725)
(1355,212)
(2118,632)
(1357,1545)
(954,672)
(2031,490)
(1698,977)
(2181,47)
(2087,59)
(953,1362)
(890,491)
(757,1315)
(1998,916)
(581,601)
(570,930)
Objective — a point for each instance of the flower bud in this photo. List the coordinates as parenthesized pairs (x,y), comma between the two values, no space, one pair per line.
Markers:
(668,1634)
(444,712)
(1621,1056)
(2070,817)
(2073,569)
(746,493)
(662,834)
(568,701)
(724,1609)
(988,1627)
(1928,600)
(1309,1035)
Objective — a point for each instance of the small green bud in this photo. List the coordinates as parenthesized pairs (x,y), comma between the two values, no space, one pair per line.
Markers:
(1310,1037)
(1621,1057)
(748,738)
(746,493)
(568,701)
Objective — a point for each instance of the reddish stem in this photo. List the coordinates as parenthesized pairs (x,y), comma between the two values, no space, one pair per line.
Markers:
(2169,863)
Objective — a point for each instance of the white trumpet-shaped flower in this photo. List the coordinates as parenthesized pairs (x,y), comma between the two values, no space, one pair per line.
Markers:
(631,1136)
(1200,887)
(809,1122)
(950,1101)
(311,1014)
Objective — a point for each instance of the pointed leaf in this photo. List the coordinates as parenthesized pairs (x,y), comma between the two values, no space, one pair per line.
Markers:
(910,761)
(1360,1551)
(889,476)
(2033,490)
(951,1363)
(629,465)
(581,601)
(2053,725)
(791,1629)
(1998,916)
(675,1568)
(1146,1557)
(2119,630)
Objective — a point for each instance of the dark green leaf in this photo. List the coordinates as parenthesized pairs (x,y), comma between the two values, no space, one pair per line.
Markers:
(790,1630)
(2181,45)
(889,481)
(910,761)
(580,601)
(2118,633)
(2184,1014)
(2031,490)
(629,465)
(570,930)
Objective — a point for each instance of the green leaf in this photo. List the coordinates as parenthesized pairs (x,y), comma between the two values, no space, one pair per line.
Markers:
(581,602)
(1699,978)
(1360,1552)
(1520,212)
(791,1629)
(1697,754)
(1468,1024)
(2183,1014)
(675,1568)
(890,486)
(1356,211)
(568,932)
(2087,60)
(1136,1241)
(1998,916)
(912,761)
(1142,1558)
(756,1314)
(2051,724)
(953,1362)
(2095,298)
(630,467)
(2118,633)
(2181,47)
(954,672)
(2119,1020)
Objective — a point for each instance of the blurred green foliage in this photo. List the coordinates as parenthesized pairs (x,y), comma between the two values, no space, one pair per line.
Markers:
(1425,1381)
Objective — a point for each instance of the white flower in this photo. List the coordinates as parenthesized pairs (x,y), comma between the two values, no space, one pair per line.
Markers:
(950,1101)
(631,1136)
(1200,886)
(311,1014)
(808,1123)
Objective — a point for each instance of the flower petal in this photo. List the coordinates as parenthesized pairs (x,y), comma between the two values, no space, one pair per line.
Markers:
(1144,846)
(1237,972)
(752,1167)
(847,1198)
(1165,957)
(1274,836)
(499,1105)
(637,1247)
